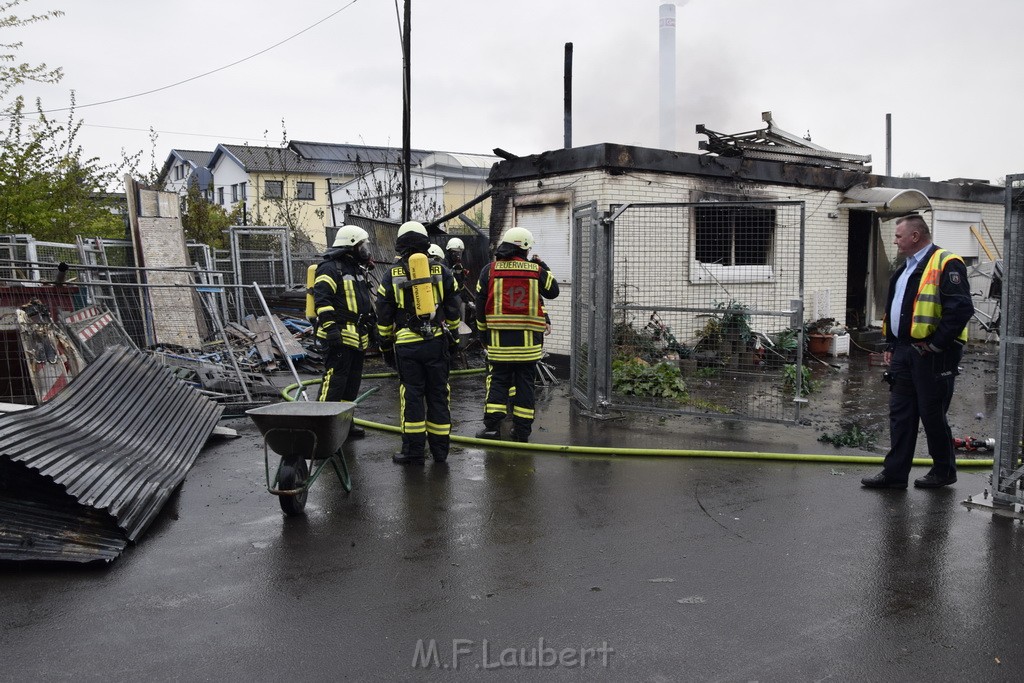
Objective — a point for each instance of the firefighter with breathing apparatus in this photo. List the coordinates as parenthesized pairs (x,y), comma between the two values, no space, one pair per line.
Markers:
(418,319)
(511,323)
(342,303)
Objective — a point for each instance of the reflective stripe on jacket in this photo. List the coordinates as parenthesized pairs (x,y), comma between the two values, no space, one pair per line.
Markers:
(509,293)
(927,306)
(513,298)
(342,295)
(396,318)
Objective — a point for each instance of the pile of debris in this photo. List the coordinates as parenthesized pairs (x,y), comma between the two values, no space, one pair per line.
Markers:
(774,144)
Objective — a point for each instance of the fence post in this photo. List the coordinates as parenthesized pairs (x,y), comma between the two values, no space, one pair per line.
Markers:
(602,257)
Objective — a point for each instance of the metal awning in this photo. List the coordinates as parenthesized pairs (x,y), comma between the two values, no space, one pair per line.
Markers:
(887,202)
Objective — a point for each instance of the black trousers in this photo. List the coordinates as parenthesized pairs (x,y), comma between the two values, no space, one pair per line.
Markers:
(921,393)
(343,373)
(424,395)
(501,377)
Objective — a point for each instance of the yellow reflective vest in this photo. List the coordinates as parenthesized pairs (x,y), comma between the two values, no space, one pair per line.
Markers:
(927,307)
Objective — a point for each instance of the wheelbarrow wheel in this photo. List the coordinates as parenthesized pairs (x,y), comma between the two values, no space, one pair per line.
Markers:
(293,475)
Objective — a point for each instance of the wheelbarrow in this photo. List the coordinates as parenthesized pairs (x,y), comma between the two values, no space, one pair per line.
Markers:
(301,431)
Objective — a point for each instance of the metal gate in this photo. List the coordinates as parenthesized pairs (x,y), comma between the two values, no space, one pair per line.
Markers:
(584,307)
(690,308)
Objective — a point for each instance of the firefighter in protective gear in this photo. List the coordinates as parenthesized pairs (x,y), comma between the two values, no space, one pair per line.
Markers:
(420,344)
(925,325)
(467,300)
(343,302)
(511,322)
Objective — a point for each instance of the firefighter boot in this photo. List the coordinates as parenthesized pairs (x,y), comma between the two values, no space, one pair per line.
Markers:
(408,456)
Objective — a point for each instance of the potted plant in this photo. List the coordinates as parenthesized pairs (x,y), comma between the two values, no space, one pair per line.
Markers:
(819,335)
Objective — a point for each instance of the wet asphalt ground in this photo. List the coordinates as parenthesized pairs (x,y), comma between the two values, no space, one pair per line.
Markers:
(512,565)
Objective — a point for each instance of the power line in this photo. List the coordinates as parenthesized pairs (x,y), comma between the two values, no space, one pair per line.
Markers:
(208,73)
(174,132)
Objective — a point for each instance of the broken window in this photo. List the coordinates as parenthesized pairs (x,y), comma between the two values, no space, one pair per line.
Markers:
(733,243)
(273,189)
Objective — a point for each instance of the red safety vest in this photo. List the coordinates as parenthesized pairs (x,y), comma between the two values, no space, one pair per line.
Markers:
(513,300)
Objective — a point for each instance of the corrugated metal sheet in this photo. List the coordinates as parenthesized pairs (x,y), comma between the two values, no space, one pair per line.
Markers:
(40,522)
(117,441)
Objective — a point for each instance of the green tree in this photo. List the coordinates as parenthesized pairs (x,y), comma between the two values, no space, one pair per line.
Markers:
(205,221)
(49,187)
(13,73)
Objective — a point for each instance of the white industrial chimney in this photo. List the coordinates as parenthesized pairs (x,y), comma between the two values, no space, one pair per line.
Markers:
(667,74)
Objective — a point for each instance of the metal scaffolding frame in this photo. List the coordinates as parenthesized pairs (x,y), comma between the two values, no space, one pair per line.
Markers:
(1007,496)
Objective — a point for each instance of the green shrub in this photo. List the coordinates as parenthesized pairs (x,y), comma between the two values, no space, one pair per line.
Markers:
(851,435)
(807,385)
(635,377)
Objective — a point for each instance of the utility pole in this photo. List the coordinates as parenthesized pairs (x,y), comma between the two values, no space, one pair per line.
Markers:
(406,111)
(888,144)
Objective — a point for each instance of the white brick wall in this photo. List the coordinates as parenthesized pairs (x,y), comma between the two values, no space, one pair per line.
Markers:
(825,246)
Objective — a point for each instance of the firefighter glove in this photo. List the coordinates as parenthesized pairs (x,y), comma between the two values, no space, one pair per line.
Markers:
(332,338)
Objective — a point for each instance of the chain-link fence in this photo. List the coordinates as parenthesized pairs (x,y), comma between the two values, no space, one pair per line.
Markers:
(1007,470)
(698,305)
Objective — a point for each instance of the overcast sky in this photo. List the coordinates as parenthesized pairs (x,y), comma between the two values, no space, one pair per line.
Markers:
(488,73)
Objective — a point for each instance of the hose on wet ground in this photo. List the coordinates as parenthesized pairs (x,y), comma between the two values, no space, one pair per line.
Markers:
(563,449)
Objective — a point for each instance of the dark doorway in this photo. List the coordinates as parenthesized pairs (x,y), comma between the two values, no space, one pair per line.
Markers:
(858,250)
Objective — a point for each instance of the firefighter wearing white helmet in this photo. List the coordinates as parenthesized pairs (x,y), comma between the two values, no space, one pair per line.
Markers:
(520,237)
(412,227)
(453,258)
(342,299)
(511,322)
(349,236)
(436,253)
(418,320)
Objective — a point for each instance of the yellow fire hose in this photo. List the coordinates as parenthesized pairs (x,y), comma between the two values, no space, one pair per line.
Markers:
(635,452)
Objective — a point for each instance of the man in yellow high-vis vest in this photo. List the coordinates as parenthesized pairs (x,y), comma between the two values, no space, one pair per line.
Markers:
(925,325)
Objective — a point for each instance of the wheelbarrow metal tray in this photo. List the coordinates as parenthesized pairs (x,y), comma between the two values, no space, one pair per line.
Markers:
(289,428)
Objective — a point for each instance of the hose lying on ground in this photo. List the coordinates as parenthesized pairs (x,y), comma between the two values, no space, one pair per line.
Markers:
(635,452)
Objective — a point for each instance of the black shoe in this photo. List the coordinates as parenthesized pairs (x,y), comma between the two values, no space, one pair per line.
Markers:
(933,481)
(408,458)
(488,433)
(440,459)
(518,437)
(355,432)
(880,481)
